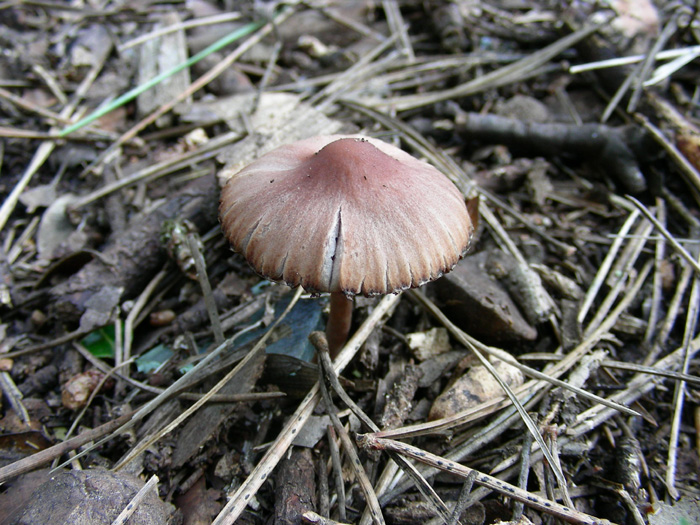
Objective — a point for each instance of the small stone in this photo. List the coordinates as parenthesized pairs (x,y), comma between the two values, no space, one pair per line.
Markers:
(89,497)
(473,388)
(425,345)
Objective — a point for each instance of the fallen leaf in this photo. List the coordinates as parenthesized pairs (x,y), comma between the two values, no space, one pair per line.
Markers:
(55,226)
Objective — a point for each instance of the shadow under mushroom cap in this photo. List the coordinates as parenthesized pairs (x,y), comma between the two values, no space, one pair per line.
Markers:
(345,213)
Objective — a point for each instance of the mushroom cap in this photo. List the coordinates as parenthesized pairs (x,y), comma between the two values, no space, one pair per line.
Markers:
(345,213)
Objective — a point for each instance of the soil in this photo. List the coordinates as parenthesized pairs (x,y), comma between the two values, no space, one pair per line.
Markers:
(133,339)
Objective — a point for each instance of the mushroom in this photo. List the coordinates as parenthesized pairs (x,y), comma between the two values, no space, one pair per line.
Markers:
(345,214)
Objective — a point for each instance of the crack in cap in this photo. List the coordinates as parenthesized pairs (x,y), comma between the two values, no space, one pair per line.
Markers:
(345,213)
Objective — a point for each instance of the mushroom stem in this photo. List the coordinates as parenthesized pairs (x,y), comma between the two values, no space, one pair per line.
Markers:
(339,321)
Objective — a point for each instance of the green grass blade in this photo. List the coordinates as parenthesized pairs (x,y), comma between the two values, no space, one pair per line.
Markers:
(133,93)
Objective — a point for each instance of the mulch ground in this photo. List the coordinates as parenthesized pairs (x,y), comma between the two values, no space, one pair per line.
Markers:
(134,343)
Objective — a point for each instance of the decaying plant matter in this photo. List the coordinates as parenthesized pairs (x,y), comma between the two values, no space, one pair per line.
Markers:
(132,338)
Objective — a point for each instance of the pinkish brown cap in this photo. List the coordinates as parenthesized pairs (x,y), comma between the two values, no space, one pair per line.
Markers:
(345,213)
